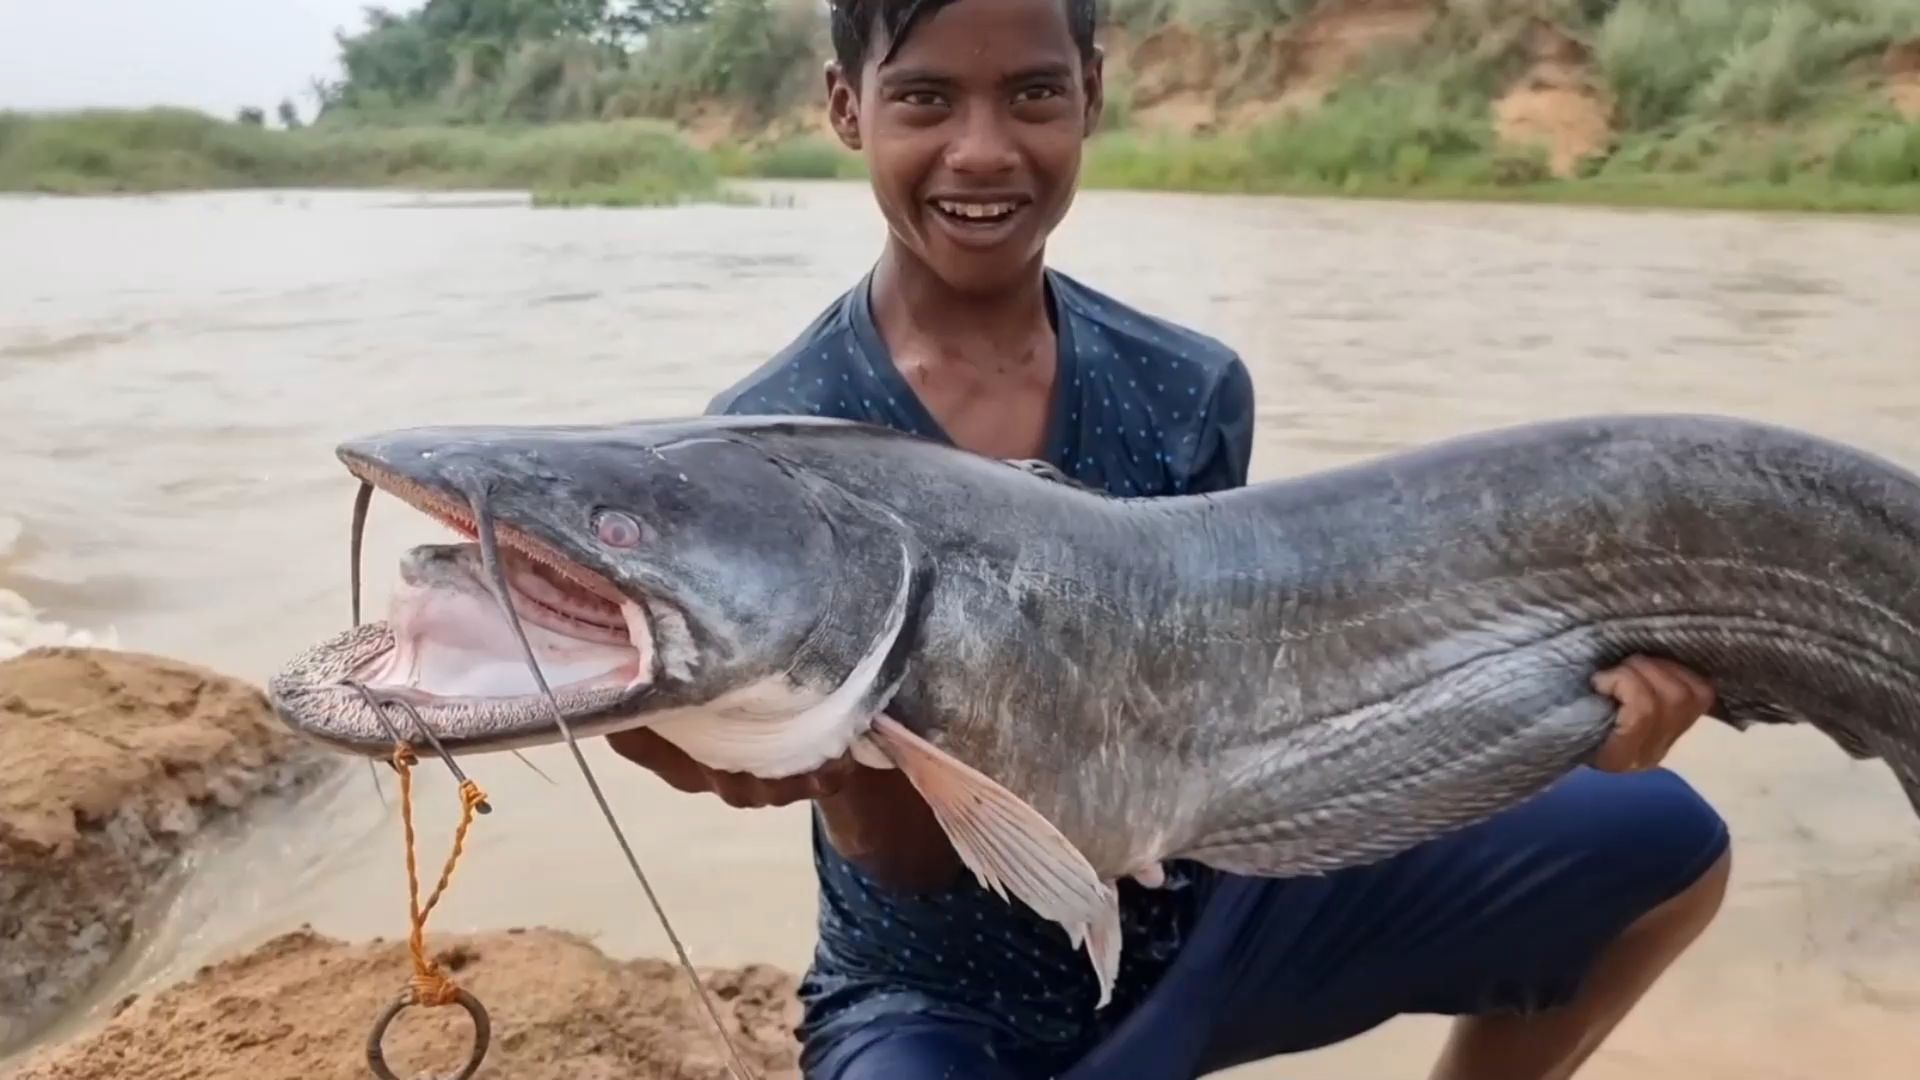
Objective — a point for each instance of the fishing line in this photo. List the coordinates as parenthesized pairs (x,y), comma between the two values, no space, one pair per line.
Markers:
(376,701)
(497,582)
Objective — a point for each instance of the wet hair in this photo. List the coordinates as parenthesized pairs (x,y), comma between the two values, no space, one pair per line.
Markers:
(855,23)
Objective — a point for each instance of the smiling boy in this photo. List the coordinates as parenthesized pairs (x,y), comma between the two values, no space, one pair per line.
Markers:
(1538,929)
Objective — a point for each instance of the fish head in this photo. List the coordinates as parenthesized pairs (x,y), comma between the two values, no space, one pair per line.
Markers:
(655,569)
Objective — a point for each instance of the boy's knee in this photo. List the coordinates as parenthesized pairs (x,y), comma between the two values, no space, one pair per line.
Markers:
(1687,829)
(1654,821)
(1688,912)
(1678,845)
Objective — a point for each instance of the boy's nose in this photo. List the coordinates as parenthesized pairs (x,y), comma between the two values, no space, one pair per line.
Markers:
(984,144)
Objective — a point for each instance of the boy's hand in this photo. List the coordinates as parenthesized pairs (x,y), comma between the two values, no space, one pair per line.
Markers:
(1659,700)
(880,823)
(670,763)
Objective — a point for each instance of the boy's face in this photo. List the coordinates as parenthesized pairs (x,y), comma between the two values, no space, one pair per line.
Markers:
(972,134)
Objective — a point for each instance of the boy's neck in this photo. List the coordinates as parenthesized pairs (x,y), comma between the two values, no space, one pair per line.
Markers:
(917,311)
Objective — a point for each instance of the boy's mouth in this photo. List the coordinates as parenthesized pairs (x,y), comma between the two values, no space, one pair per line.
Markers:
(976,215)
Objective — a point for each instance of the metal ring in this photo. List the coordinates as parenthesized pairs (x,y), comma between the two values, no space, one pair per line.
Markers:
(482,1035)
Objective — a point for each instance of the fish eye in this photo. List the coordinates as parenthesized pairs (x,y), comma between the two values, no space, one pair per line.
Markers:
(616,529)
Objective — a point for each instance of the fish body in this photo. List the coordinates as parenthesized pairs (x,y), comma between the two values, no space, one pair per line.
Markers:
(1283,679)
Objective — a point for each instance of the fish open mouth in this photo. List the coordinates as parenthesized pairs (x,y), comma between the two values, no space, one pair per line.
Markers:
(451,644)
(447,653)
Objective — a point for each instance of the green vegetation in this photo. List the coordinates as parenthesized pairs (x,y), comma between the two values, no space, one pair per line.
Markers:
(1876,169)
(1715,103)
(808,158)
(545,61)
(1262,165)
(1732,60)
(1720,103)
(798,157)
(1394,130)
(170,149)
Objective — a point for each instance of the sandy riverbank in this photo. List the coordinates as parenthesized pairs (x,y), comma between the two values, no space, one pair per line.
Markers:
(300,1006)
(110,764)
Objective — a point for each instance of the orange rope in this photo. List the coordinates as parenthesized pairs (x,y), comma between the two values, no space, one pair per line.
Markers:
(430,985)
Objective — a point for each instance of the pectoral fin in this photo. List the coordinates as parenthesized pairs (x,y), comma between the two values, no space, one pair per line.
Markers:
(1009,846)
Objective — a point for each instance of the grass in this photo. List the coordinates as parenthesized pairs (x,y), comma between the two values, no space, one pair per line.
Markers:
(807,158)
(173,150)
(1673,61)
(1222,165)
(801,157)
(1393,133)
(637,192)
(1386,141)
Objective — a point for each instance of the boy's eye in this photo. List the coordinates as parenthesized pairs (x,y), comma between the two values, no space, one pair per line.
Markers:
(1037,93)
(925,98)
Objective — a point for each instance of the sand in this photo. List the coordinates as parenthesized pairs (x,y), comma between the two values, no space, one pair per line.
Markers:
(112,764)
(299,1007)
(1902,67)
(1558,104)
(1189,83)
(109,764)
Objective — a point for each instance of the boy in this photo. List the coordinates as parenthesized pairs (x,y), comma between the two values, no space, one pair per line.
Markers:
(1538,929)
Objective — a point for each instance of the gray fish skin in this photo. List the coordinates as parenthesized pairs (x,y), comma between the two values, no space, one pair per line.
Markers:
(1290,677)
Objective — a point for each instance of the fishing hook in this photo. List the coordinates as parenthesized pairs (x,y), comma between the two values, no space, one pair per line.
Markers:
(376,703)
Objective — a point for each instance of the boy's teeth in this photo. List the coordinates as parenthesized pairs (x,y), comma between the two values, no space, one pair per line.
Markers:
(977,210)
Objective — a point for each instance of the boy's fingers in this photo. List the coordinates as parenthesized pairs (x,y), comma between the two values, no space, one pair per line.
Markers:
(1626,748)
(662,758)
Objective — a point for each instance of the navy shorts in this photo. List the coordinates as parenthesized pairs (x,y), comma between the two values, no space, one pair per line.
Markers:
(1503,916)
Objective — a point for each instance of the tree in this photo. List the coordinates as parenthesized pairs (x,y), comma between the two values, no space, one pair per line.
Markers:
(626,21)
(400,60)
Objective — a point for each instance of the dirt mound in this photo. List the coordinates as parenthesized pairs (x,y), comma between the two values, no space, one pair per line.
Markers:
(300,1006)
(1902,67)
(1190,82)
(1314,53)
(1558,104)
(109,763)
(1175,74)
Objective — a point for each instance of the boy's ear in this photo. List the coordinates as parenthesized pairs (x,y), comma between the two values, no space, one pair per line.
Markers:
(843,106)
(1095,84)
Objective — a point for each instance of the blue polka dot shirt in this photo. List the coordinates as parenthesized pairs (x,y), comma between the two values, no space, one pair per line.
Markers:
(1143,408)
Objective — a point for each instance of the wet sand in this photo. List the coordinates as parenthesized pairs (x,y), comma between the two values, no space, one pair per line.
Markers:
(112,765)
(190,362)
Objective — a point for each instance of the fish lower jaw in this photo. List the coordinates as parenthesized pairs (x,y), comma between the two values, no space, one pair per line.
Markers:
(472,694)
(477,724)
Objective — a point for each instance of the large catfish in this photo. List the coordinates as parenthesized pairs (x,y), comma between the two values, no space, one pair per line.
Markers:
(1288,678)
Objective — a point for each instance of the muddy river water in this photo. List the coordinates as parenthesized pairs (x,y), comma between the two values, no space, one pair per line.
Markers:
(174,372)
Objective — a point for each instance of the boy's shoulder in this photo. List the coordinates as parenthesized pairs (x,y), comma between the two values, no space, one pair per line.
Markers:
(807,375)
(1131,335)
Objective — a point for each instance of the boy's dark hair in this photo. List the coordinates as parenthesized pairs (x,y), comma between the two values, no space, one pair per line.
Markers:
(855,21)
